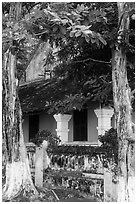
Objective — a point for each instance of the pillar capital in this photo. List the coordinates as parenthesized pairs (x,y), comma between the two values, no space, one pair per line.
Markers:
(104,112)
(62,126)
(104,119)
(62,118)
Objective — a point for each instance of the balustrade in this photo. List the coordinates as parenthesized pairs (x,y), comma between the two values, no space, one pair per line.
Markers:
(89,167)
(74,163)
(70,162)
(31,152)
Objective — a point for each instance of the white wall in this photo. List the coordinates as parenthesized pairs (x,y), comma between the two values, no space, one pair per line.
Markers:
(70,127)
(92,126)
(47,121)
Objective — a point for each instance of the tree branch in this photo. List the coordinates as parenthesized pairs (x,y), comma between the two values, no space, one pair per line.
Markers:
(31,57)
(41,33)
(91,59)
(32,6)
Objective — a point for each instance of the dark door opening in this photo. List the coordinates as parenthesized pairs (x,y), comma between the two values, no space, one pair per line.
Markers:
(80,125)
(33,126)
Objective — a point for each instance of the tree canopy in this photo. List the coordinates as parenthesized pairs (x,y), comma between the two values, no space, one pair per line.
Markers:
(83,35)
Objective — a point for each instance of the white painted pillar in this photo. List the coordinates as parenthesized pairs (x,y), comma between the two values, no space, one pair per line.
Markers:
(62,126)
(104,119)
(108,196)
(39,167)
(41,163)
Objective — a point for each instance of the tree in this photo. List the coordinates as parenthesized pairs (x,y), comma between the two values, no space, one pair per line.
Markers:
(18,176)
(123,108)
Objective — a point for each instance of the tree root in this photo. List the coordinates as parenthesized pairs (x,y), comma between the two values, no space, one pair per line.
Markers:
(18,180)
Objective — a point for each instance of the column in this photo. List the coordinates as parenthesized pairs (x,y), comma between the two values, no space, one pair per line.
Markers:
(104,119)
(41,162)
(39,167)
(62,126)
(108,186)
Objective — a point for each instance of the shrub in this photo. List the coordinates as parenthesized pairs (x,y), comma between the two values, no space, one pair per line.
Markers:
(110,144)
(53,139)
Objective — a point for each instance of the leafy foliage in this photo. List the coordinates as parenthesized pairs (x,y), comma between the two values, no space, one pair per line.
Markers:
(53,140)
(79,31)
(15,35)
(84,79)
(77,150)
(110,144)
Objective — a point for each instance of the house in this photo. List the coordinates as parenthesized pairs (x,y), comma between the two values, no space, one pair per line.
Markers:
(73,127)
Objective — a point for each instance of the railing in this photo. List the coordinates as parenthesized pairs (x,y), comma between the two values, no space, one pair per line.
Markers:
(73,163)
(31,152)
(73,171)
(76,171)
(83,163)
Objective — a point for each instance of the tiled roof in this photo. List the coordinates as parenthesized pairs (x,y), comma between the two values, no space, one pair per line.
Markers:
(38,95)
(33,96)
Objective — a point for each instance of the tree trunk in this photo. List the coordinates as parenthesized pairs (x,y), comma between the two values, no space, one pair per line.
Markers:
(18,176)
(123,110)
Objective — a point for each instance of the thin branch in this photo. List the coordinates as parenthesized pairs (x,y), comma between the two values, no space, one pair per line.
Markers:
(41,33)
(31,7)
(91,59)
(120,21)
(131,46)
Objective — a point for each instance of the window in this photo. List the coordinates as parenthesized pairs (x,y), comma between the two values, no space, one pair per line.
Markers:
(33,126)
(80,125)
